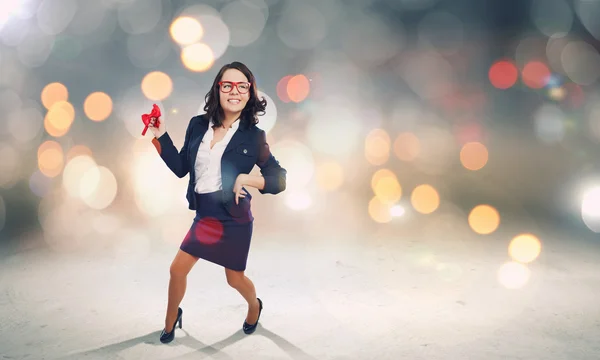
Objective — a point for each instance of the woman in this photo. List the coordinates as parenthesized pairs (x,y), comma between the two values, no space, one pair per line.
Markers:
(220,149)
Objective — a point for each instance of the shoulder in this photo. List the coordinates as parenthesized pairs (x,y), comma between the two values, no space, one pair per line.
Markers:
(197,119)
(258,133)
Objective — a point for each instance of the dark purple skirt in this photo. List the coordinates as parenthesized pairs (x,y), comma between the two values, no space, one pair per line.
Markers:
(218,237)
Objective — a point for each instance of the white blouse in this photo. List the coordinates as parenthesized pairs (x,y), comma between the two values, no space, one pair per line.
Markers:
(208,161)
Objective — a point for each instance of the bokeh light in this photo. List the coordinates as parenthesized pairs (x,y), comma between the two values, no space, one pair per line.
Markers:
(484,219)
(40,184)
(473,156)
(326,120)
(425,199)
(298,199)
(581,62)
(246,20)
(298,88)
(197,57)
(59,118)
(50,158)
(590,208)
(535,74)
(25,124)
(513,275)
(503,74)
(407,146)
(377,147)
(53,93)
(379,210)
(10,166)
(386,186)
(157,189)
(78,150)
(157,85)
(72,174)
(552,17)
(549,123)
(98,106)
(99,187)
(299,161)
(282,88)
(186,30)
(268,120)
(330,175)
(524,248)
(2,213)
(397,211)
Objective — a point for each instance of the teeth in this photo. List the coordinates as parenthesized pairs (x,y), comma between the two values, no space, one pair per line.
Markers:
(234,101)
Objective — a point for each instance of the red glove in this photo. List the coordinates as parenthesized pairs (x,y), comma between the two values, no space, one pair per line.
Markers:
(146,118)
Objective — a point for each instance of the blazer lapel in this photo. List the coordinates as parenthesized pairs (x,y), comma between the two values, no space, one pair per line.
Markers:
(236,139)
(196,140)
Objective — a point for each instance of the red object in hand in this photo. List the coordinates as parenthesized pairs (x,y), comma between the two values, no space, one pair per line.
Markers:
(146,118)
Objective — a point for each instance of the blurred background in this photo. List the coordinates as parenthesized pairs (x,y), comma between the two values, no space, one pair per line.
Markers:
(451,118)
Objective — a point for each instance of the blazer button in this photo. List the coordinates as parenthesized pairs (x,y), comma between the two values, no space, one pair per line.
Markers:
(245,151)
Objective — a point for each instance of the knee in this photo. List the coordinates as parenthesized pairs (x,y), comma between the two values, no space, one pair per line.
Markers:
(235,281)
(177,271)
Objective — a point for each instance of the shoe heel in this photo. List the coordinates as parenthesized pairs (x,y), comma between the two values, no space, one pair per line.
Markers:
(180,321)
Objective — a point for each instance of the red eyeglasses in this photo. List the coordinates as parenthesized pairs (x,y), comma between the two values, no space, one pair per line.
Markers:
(242,86)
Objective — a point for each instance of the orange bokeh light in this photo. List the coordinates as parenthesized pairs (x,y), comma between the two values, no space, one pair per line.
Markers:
(473,156)
(53,93)
(98,106)
(484,219)
(298,88)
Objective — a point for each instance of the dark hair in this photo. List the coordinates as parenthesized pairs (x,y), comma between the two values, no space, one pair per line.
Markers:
(253,107)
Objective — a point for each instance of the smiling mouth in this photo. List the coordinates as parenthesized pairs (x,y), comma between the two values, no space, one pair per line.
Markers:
(233,101)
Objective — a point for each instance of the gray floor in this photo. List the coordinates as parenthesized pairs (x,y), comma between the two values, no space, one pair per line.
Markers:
(422,289)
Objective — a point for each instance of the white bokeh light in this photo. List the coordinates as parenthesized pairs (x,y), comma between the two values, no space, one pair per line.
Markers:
(139,16)
(513,275)
(299,161)
(552,17)
(549,124)
(73,180)
(25,124)
(101,189)
(590,209)
(298,200)
(8,9)
(246,20)
(54,16)
(334,127)
(301,25)
(157,189)
(10,166)
(581,62)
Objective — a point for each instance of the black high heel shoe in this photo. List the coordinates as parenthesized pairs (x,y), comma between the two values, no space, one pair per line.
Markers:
(167,337)
(249,329)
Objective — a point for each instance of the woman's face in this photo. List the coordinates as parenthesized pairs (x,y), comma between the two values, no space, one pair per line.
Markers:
(234,91)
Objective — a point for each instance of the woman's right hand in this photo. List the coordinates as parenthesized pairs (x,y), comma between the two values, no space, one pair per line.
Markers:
(157,131)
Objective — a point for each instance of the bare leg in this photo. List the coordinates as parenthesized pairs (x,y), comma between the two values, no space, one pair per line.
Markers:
(240,282)
(180,268)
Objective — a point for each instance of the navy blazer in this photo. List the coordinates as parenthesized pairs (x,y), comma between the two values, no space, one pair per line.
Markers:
(247,147)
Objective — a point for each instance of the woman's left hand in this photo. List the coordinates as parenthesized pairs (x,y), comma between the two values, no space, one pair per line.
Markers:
(240,181)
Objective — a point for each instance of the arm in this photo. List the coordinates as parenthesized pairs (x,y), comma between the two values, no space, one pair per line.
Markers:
(176,161)
(273,179)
